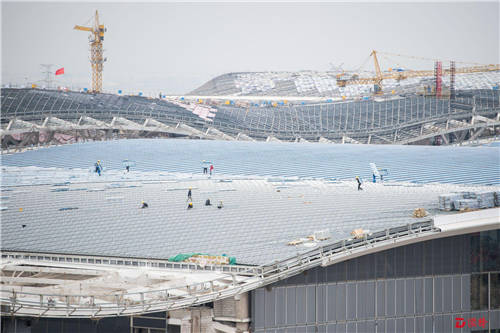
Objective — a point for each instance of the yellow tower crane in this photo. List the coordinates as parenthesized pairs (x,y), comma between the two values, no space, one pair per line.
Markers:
(377,80)
(97,60)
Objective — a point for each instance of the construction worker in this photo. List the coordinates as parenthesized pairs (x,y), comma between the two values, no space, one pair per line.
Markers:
(211,168)
(98,167)
(190,205)
(144,205)
(205,168)
(189,194)
(359,183)
(220,205)
(374,178)
(207,203)
(127,168)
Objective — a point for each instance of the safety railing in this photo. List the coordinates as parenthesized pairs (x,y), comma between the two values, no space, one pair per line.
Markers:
(122,262)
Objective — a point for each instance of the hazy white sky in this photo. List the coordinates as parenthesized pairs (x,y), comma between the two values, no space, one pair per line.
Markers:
(176,47)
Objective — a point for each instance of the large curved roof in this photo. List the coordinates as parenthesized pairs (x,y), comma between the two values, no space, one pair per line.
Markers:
(68,209)
(316,83)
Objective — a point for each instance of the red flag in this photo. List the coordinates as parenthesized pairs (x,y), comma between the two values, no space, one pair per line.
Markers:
(60,71)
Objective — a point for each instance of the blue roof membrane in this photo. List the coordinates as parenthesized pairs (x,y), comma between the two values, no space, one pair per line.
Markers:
(419,164)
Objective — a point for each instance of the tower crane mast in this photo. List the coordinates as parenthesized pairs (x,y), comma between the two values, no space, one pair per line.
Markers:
(97,59)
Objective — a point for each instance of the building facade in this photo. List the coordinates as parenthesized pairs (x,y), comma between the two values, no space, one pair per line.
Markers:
(442,285)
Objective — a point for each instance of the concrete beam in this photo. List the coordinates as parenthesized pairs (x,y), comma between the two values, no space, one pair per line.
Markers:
(89,122)
(218,134)
(481,118)
(18,124)
(244,137)
(456,123)
(346,139)
(433,128)
(478,133)
(125,124)
(272,139)
(54,122)
(190,130)
(324,140)
(155,124)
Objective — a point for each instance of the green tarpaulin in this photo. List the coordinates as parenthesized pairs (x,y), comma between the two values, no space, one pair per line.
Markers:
(183,256)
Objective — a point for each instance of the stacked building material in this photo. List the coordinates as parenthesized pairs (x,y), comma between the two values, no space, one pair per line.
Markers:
(497,198)
(465,204)
(486,199)
(446,200)
(469,200)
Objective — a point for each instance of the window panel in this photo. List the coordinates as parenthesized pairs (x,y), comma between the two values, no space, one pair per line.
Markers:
(389,264)
(351,301)
(270,297)
(340,304)
(301,305)
(419,296)
(380,298)
(280,306)
(291,306)
(479,291)
(380,265)
(447,294)
(438,294)
(400,297)
(490,250)
(410,296)
(331,302)
(311,304)
(457,293)
(390,300)
(321,303)
(495,290)
(400,261)
(466,284)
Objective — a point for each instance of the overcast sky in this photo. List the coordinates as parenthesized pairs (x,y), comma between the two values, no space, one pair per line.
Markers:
(176,47)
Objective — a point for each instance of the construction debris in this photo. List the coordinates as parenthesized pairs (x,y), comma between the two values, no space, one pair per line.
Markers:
(312,239)
(320,235)
(204,259)
(420,212)
(295,242)
(359,233)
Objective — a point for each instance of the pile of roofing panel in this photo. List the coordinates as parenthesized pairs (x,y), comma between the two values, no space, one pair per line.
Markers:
(469,200)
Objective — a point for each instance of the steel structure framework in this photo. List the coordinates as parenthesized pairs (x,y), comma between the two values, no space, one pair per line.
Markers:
(400,120)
